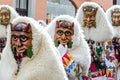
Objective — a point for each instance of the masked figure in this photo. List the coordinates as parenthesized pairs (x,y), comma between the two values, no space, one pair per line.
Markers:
(69,40)
(113,14)
(97,30)
(30,53)
(7,14)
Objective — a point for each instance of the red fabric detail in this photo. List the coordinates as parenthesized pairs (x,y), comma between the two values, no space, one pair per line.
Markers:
(109,75)
(116,55)
(93,67)
(87,78)
(94,76)
(66,55)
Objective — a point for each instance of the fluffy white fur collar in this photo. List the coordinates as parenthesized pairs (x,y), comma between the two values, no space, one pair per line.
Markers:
(103,30)
(116,29)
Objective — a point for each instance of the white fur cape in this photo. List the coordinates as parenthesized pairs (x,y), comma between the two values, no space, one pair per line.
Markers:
(116,29)
(80,50)
(13,14)
(45,64)
(103,30)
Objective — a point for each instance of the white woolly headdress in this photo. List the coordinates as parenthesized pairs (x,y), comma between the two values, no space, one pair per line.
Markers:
(13,14)
(78,33)
(35,27)
(109,16)
(103,30)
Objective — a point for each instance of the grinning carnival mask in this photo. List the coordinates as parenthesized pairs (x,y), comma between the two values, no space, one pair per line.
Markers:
(89,16)
(21,40)
(4,16)
(63,33)
(115,15)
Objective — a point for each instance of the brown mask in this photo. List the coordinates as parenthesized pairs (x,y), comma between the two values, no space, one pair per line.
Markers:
(89,16)
(63,32)
(4,16)
(21,41)
(115,14)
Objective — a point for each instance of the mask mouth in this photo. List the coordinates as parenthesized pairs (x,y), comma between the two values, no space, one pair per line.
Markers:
(4,22)
(21,50)
(116,23)
(20,53)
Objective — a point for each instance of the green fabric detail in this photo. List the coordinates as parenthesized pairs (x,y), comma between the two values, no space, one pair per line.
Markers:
(29,52)
(97,65)
(99,50)
(12,48)
(56,43)
(77,73)
(70,44)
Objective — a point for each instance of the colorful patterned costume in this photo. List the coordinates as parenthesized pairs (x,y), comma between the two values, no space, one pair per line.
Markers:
(113,14)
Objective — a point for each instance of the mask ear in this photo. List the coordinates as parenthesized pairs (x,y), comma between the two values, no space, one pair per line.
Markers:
(12,26)
(28,28)
(73,25)
(57,24)
(96,10)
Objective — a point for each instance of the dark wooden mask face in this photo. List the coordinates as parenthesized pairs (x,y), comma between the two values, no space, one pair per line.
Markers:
(89,16)
(21,39)
(64,32)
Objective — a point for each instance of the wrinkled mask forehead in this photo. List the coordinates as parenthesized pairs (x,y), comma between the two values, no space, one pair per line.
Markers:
(89,9)
(65,24)
(4,9)
(115,12)
(23,27)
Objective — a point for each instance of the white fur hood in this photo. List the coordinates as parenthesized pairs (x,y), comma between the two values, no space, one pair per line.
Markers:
(13,12)
(13,15)
(103,30)
(45,64)
(116,29)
